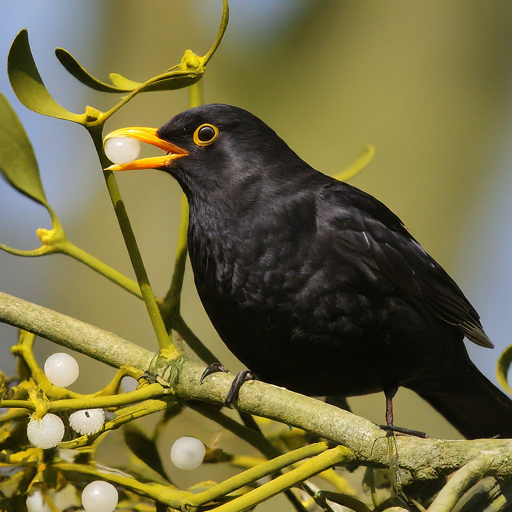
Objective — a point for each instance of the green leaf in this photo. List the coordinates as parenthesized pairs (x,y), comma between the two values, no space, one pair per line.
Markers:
(352,171)
(123,83)
(28,85)
(502,367)
(173,80)
(83,76)
(18,162)
(145,449)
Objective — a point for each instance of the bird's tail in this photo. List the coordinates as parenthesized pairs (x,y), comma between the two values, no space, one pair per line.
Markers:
(469,401)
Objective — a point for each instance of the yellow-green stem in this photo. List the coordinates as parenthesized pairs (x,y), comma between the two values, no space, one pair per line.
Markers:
(353,170)
(91,401)
(18,404)
(195,98)
(13,414)
(222,29)
(172,300)
(128,284)
(255,473)
(164,342)
(24,350)
(123,416)
(174,294)
(309,469)
(104,116)
(160,493)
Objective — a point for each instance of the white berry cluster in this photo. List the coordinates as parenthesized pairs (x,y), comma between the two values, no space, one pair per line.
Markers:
(47,432)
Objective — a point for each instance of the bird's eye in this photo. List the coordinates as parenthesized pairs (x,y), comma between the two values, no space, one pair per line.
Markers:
(205,134)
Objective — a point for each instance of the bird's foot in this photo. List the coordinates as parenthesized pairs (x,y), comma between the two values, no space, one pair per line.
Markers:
(213,368)
(402,430)
(241,377)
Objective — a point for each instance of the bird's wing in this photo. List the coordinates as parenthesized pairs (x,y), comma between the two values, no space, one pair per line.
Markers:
(367,226)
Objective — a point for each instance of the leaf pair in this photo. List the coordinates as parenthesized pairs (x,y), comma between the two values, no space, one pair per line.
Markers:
(175,78)
(31,91)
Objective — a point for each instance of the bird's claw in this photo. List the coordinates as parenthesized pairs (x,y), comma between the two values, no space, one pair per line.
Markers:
(213,368)
(241,377)
(402,430)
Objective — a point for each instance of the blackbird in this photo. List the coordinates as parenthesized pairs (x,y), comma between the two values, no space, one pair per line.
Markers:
(313,284)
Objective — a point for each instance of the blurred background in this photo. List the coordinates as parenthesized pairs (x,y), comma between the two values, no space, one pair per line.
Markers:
(428,84)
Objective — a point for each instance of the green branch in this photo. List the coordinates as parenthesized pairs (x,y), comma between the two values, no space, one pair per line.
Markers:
(307,470)
(73,334)
(253,474)
(419,459)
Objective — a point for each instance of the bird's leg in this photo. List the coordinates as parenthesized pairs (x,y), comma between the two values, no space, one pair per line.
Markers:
(389,406)
(241,377)
(389,427)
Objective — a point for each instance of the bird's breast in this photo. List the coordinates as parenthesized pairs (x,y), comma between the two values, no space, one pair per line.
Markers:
(279,296)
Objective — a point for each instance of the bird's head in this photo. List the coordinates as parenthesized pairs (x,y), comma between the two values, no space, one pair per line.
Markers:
(211,147)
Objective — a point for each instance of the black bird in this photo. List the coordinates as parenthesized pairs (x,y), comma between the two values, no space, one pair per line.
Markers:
(313,284)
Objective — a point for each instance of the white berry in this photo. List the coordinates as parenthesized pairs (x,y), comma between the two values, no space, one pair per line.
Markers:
(128,384)
(35,503)
(61,369)
(122,150)
(87,421)
(99,496)
(187,453)
(46,432)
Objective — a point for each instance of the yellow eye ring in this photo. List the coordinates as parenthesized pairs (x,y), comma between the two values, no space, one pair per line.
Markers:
(205,134)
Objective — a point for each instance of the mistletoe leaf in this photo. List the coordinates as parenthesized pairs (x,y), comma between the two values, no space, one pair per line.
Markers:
(360,164)
(18,162)
(502,368)
(28,84)
(173,80)
(83,76)
(124,83)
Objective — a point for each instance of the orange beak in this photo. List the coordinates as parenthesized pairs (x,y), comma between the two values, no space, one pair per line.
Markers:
(149,136)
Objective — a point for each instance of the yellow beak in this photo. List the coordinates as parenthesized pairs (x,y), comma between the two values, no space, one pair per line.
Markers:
(149,136)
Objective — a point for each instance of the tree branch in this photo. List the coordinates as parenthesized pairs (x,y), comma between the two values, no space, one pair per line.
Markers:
(419,459)
(73,334)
